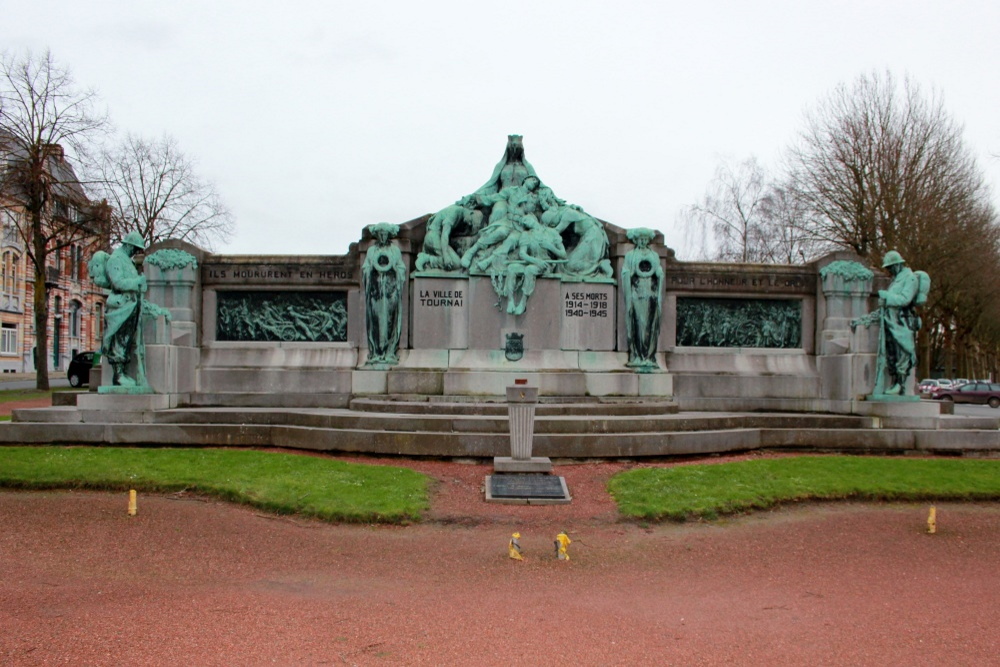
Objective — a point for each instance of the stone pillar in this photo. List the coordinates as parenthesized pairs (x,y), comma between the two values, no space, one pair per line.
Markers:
(846,287)
(846,360)
(172,348)
(521,402)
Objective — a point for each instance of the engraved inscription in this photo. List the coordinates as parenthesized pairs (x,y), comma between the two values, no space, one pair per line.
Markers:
(586,304)
(526,486)
(441,298)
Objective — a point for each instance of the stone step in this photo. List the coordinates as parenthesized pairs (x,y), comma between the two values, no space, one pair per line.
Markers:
(488,445)
(549,406)
(444,423)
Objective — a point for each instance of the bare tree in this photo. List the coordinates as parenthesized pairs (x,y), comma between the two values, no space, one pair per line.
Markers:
(878,165)
(881,166)
(730,211)
(746,217)
(42,115)
(788,238)
(153,189)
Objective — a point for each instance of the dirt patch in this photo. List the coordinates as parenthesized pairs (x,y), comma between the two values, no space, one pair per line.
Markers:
(10,406)
(201,582)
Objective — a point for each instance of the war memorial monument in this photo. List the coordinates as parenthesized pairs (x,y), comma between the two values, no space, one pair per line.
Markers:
(408,343)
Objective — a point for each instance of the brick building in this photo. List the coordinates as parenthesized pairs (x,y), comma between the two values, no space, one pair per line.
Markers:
(76,306)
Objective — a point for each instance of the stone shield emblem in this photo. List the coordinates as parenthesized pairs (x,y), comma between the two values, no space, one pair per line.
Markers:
(514,349)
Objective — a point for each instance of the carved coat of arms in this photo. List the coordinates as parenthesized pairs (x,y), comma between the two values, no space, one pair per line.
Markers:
(514,348)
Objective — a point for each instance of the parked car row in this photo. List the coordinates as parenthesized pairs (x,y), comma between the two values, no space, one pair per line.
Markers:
(976,392)
(929,386)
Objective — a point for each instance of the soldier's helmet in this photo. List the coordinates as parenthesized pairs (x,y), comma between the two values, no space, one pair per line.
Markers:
(134,238)
(891,258)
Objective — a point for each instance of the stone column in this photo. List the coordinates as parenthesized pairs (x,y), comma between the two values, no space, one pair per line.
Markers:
(845,359)
(846,287)
(172,351)
(521,402)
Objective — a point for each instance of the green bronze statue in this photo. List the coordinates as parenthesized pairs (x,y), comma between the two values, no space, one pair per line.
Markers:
(642,287)
(540,249)
(514,211)
(899,323)
(124,313)
(513,203)
(589,258)
(438,253)
(512,169)
(124,307)
(383,279)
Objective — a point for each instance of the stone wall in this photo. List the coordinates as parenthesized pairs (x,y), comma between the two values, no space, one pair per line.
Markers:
(733,336)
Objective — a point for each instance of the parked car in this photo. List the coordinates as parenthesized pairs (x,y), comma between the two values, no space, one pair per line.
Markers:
(79,369)
(958,382)
(929,387)
(977,393)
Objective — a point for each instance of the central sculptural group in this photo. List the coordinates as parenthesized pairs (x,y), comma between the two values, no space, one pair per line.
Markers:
(515,230)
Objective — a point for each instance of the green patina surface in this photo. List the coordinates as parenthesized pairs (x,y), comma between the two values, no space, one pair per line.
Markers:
(759,323)
(849,271)
(125,312)
(171,258)
(515,230)
(383,279)
(642,289)
(281,316)
(898,322)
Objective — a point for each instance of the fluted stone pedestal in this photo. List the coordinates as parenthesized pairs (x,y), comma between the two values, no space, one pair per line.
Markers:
(521,401)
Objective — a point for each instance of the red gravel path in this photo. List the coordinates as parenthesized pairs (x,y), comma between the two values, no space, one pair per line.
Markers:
(190,581)
(9,406)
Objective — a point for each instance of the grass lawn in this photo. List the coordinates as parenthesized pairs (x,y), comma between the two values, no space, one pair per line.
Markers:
(282,483)
(11,395)
(706,491)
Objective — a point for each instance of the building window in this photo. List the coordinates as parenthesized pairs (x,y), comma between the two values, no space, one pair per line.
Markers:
(8,339)
(10,227)
(81,264)
(8,273)
(75,311)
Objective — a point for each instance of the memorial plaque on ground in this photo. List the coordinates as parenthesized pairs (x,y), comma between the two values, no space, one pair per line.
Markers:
(526,488)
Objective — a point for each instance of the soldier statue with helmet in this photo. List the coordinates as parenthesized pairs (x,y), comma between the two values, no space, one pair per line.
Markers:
(122,344)
(899,323)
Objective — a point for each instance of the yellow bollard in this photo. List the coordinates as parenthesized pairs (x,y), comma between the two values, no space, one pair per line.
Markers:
(562,542)
(932,521)
(514,547)
(131,503)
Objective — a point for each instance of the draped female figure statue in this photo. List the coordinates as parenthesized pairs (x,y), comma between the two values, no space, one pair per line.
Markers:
(383,279)
(642,286)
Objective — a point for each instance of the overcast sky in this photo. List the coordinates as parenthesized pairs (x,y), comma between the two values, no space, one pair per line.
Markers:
(316,118)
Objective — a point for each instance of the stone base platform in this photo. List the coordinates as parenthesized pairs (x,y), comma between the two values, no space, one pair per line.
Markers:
(474,430)
(540,464)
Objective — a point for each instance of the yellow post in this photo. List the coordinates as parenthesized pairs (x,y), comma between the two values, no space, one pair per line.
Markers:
(932,521)
(131,502)
(561,543)
(514,547)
